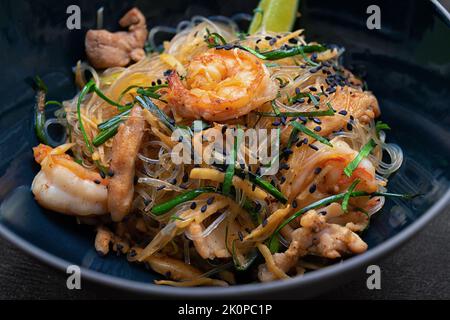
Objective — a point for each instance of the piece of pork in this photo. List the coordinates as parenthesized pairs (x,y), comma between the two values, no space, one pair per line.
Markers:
(106,49)
(125,148)
(315,237)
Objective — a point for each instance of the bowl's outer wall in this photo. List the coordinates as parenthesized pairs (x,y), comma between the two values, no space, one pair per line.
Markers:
(406,64)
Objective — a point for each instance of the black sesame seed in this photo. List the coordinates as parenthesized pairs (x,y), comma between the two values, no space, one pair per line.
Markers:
(297,90)
(313,147)
(167,72)
(317,120)
(224,128)
(153,83)
(193,205)
(111,172)
(302,119)
(264,222)
(276,123)
(293,41)
(322,213)
(317,128)
(240,235)
(97,181)
(160,188)
(313,188)
(173,181)
(352,117)
(159,82)
(268,38)
(343,112)
(185,177)
(210,200)
(317,170)
(147,202)
(282,180)
(349,126)
(284,166)
(132,253)
(314,89)
(272,41)
(294,204)
(203,208)
(102,174)
(258,206)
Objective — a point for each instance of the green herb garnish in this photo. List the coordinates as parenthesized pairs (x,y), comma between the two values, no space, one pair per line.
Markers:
(364,152)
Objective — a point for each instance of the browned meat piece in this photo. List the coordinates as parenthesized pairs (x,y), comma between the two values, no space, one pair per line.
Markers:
(316,237)
(125,147)
(106,49)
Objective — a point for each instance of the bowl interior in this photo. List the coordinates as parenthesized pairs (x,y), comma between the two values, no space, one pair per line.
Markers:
(405,64)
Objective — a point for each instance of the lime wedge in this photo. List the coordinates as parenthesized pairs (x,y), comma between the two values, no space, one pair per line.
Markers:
(274,15)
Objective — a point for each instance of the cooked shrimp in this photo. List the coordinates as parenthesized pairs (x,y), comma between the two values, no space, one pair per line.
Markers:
(64,186)
(221,85)
(324,169)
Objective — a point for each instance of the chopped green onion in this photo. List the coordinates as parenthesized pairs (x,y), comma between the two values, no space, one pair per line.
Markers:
(263,184)
(310,133)
(284,53)
(253,254)
(229,173)
(105,135)
(380,125)
(53,102)
(104,97)
(325,201)
(165,207)
(347,195)
(364,152)
(150,106)
(40,85)
(214,39)
(313,99)
(114,120)
(86,89)
(39,111)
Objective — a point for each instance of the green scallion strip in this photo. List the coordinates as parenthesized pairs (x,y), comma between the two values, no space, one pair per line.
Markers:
(53,102)
(313,99)
(307,59)
(149,105)
(214,39)
(105,135)
(284,53)
(104,97)
(275,108)
(86,89)
(253,254)
(229,173)
(364,152)
(325,201)
(347,195)
(165,207)
(263,184)
(380,125)
(310,133)
(114,120)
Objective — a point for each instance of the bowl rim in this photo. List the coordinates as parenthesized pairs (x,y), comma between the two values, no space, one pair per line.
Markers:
(252,289)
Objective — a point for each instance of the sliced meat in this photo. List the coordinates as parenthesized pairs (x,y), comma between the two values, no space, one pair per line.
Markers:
(125,148)
(105,49)
(315,237)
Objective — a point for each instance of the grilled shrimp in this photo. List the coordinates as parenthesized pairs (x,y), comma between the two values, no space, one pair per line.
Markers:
(64,186)
(221,85)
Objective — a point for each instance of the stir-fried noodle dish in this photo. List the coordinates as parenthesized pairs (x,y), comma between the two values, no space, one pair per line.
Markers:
(219,157)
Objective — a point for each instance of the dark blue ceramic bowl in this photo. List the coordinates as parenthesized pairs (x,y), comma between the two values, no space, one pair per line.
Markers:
(406,64)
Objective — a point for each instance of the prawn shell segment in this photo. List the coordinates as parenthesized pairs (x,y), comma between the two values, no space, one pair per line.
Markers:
(221,85)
